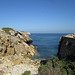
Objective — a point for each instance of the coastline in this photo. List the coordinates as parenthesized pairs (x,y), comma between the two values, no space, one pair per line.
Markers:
(47,45)
(15,53)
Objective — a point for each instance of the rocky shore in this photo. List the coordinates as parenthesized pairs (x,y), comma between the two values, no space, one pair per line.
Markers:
(15,53)
(64,64)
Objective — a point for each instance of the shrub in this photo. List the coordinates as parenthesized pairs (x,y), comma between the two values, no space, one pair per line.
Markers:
(0,37)
(63,72)
(26,73)
(57,67)
(7,30)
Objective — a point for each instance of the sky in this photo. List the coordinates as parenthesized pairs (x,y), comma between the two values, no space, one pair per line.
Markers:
(38,16)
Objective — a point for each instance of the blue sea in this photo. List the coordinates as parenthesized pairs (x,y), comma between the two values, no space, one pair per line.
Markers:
(47,44)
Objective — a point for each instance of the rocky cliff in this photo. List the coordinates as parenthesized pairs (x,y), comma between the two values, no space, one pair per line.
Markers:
(15,49)
(67,46)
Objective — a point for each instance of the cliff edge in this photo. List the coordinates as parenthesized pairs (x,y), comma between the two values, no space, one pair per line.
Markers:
(15,53)
(66,46)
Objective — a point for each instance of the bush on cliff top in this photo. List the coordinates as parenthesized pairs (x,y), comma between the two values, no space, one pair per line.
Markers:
(57,67)
(26,73)
(7,30)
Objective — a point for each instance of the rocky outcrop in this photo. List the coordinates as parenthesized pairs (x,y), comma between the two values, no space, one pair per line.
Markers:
(15,53)
(15,42)
(67,46)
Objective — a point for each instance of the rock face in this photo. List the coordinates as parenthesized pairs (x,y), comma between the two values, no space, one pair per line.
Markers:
(67,46)
(15,42)
(15,52)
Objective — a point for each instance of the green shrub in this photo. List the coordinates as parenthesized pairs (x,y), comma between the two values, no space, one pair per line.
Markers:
(55,61)
(0,37)
(7,30)
(43,67)
(26,73)
(57,67)
(3,41)
(63,72)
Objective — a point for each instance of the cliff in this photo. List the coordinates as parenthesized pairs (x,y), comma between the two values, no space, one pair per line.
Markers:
(65,66)
(15,42)
(15,53)
(66,52)
(66,46)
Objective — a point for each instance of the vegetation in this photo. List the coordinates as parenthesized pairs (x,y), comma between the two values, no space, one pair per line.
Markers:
(2,41)
(57,67)
(0,37)
(22,31)
(7,30)
(26,73)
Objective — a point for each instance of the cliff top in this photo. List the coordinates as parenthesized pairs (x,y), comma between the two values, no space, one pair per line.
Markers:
(70,36)
(11,30)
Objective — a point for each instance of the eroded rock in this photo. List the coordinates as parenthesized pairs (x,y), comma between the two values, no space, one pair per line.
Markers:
(15,49)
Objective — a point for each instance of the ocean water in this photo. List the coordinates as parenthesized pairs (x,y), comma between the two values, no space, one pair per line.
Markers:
(47,44)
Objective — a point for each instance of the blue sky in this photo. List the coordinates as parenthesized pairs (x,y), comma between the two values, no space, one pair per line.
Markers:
(39,16)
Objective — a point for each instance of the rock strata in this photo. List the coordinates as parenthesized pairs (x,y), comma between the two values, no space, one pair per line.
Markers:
(15,53)
(67,46)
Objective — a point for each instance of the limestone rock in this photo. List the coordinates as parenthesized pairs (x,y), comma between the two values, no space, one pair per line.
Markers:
(15,49)
(17,62)
(15,42)
(10,51)
(16,65)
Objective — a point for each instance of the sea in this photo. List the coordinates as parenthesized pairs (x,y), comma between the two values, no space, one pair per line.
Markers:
(46,44)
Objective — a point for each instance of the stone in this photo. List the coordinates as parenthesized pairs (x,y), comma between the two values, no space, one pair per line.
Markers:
(8,74)
(15,53)
(17,62)
(66,46)
(12,32)
(10,51)
(1,72)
